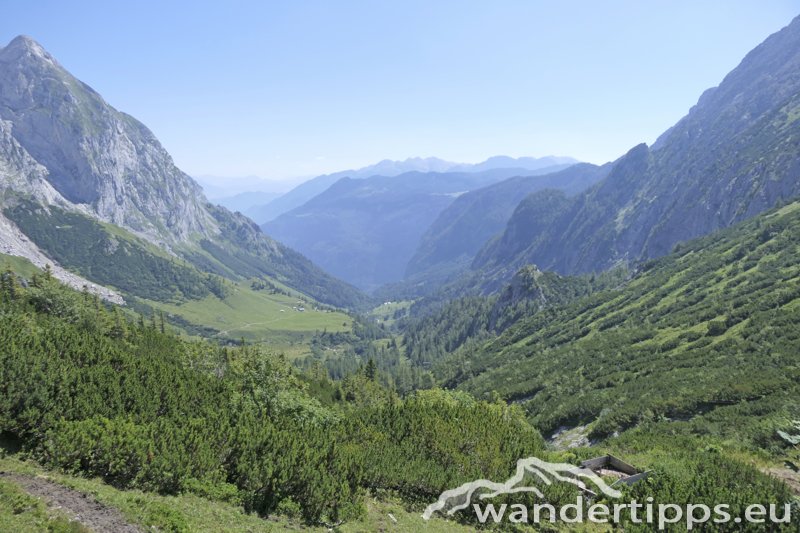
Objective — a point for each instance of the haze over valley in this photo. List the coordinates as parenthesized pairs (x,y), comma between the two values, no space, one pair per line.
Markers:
(378,348)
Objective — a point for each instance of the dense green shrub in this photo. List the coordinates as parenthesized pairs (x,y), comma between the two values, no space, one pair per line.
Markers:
(92,393)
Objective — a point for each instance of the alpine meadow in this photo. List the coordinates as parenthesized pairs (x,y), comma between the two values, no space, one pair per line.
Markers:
(606,341)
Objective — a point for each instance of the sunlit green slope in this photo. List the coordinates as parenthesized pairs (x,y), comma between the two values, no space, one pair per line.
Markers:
(712,329)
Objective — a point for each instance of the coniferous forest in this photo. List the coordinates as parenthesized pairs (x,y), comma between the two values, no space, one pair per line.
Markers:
(90,390)
(97,391)
(413,345)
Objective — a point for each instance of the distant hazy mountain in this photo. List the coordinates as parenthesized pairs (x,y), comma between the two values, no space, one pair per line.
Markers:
(528,163)
(501,257)
(307,190)
(245,202)
(365,230)
(310,188)
(387,167)
(72,168)
(463,228)
(736,154)
(244,194)
(216,187)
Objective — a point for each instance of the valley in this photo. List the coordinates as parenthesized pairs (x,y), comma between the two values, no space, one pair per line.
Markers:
(342,354)
(258,316)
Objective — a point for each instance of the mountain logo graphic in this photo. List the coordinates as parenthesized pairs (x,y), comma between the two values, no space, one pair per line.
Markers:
(542,472)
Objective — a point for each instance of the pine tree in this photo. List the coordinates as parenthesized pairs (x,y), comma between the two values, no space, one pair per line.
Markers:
(370,370)
(8,284)
(118,330)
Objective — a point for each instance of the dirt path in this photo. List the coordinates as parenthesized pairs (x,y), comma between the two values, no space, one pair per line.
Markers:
(247,325)
(79,506)
(787,476)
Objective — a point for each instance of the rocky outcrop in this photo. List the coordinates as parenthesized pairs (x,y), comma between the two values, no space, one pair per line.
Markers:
(96,156)
(62,145)
(736,154)
(21,175)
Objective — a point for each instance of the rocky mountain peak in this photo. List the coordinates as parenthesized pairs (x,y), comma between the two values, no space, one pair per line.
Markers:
(734,155)
(65,152)
(24,46)
(96,156)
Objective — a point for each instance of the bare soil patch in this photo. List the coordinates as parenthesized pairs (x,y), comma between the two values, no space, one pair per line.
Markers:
(81,507)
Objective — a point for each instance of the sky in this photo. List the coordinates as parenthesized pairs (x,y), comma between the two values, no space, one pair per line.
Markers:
(281,89)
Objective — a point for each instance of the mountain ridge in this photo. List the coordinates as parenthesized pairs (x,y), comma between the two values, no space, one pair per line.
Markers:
(65,146)
(735,154)
(460,231)
(366,230)
(389,168)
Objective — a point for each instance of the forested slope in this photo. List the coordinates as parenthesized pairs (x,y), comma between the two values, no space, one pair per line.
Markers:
(84,389)
(712,329)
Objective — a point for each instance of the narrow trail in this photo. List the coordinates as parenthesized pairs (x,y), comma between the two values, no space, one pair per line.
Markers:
(247,325)
(78,506)
(787,476)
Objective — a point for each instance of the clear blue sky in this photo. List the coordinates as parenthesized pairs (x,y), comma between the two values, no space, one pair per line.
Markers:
(289,88)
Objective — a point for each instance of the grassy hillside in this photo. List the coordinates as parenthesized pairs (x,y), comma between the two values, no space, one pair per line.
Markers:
(20,265)
(182,513)
(112,256)
(274,319)
(441,324)
(690,369)
(222,304)
(707,337)
(87,392)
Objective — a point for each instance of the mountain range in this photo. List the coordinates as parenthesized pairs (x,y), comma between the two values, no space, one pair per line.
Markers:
(387,168)
(732,156)
(366,230)
(646,309)
(68,149)
(68,156)
(451,242)
(218,187)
